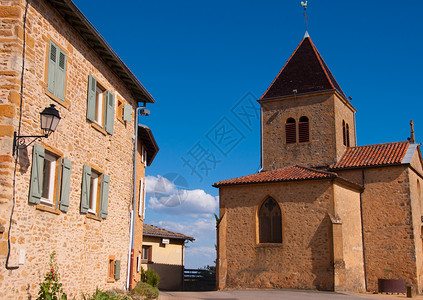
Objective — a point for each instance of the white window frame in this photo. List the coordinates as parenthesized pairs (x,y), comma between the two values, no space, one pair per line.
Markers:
(141,199)
(94,193)
(99,105)
(51,179)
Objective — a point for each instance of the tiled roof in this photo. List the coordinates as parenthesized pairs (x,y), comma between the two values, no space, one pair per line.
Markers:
(293,173)
(373,155)
(150,230)
(305,71)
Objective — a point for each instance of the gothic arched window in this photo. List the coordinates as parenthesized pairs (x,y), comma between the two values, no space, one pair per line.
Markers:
(303,130)
(290,131)
(270,222)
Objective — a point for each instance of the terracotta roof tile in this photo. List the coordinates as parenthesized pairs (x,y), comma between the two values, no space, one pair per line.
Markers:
(372,155)
(305,71)
(292,173)
(150,230)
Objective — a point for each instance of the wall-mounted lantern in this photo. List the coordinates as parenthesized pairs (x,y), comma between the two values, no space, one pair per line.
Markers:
(49,120)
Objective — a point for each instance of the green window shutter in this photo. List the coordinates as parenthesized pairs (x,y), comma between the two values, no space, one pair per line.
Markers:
(109,112)
(36,184)
(104,200)
(86,186)
(127,113)
(117,269)
(52,62)
(60,78)
(65,188)
(92,87)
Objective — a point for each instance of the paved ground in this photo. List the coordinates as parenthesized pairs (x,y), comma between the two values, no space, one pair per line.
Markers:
(274,294)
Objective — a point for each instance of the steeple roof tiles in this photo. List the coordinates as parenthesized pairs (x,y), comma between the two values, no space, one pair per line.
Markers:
(373,155)
(305,71)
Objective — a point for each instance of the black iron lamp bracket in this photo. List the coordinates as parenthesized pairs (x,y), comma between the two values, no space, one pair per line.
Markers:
(19,141)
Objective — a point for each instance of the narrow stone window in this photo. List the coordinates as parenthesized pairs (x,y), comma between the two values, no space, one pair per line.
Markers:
(344,133)
(303,130)
(270,222)
(290,131)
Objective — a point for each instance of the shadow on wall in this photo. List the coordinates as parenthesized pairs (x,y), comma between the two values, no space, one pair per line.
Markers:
(321,256)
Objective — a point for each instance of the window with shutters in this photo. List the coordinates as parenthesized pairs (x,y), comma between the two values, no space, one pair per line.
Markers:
(50,179)
(146,254)
(303,130)
(111,269)
(290,131)
(56,73)
(270,222)
(119,109)
(95,193)
(100,106)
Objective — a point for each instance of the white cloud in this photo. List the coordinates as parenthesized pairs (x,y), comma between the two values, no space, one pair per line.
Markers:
(168,197)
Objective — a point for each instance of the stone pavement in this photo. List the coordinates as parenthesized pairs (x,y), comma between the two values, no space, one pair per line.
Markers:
(274,294)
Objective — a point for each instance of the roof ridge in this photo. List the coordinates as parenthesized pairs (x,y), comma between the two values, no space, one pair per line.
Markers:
(373,145)
(319,58)
(319,171)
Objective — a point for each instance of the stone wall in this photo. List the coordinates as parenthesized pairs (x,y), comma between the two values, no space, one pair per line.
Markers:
(83,244)
(302,261)
(389,233)
(325,146)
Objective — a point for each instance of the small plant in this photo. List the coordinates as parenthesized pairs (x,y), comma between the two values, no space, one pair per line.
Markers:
(146,290)
(150,277)
(51,288)
(106,295)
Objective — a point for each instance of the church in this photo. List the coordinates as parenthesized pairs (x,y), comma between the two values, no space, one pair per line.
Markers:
(322,213)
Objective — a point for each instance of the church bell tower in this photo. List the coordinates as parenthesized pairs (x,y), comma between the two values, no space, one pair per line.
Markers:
(306,118)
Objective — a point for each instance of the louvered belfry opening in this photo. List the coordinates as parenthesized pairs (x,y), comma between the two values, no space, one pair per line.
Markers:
(290,131)
(303,130)
(270,222)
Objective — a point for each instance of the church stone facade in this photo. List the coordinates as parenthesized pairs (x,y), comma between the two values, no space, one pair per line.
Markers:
(323,213)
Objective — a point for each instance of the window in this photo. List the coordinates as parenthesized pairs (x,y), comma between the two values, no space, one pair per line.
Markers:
(50,179)
(56,73)
(100,105)
(290,131)
(344,138)
(270,222)
(303,130)
(143,155)
(146,254)
(95,192)
(113,269)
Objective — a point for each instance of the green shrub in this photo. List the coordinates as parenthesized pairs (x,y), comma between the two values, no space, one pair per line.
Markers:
(51,288)
(106,295)
(146,290)
(150,277)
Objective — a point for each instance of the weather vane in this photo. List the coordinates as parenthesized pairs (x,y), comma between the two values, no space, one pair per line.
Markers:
(304,4)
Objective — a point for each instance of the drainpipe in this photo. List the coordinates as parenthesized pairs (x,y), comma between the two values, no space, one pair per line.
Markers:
(138,112)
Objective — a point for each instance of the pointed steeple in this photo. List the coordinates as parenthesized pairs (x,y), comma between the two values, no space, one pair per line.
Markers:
(304,72)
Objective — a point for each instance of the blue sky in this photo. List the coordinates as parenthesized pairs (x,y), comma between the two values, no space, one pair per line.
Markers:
(204,61)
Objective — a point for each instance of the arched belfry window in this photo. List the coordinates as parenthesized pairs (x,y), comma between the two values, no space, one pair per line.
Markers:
(347,133)
(303,130)
(270,222)
(290,131)
(344,133)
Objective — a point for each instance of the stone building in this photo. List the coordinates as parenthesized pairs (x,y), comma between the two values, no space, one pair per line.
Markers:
(163,251)
(323,213)
(72,192)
